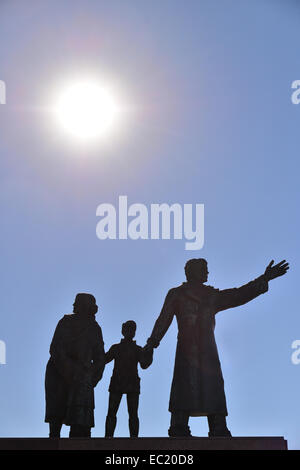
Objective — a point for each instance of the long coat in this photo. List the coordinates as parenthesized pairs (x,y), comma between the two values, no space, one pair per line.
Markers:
(198,385)
(75,366)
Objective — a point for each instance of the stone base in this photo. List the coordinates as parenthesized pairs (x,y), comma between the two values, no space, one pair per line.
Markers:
(144,444)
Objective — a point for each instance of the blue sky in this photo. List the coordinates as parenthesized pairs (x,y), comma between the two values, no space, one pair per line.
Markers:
(208,86)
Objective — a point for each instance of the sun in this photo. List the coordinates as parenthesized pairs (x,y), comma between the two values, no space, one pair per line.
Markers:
(86,110)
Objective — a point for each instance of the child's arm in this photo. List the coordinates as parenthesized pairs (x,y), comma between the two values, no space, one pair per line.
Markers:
(110,355)
(98,358)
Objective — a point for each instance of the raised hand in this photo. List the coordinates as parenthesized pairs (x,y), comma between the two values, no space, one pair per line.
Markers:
(277,270)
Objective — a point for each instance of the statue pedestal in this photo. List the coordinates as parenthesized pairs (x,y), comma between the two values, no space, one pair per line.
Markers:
(144,444)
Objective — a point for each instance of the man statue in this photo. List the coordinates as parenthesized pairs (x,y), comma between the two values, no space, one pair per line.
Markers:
(125,380)
(198,386)
(76,365)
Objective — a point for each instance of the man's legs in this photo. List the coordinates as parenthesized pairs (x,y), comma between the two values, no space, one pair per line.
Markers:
(111,418)
(132,406)
(76,430)
(217,426)
(55,428)
(179,424)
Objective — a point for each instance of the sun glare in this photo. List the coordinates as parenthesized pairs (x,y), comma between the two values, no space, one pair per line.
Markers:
(86,110)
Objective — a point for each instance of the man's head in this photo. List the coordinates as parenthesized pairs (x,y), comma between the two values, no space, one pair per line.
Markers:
(128,329)
(85,304)
(196,270)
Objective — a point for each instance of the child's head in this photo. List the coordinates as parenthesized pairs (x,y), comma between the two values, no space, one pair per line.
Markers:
(128,329)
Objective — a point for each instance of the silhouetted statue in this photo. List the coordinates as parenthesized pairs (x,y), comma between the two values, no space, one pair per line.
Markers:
(127,354)
(75,367)
(198,386)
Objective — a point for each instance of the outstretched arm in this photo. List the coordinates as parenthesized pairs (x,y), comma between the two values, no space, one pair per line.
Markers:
(164,320)
(230,298)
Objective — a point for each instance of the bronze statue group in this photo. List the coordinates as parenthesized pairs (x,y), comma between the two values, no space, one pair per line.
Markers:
(77,358)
